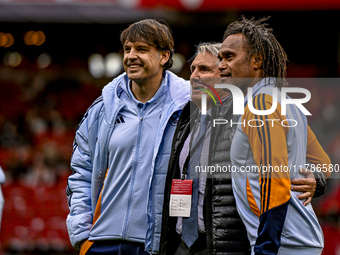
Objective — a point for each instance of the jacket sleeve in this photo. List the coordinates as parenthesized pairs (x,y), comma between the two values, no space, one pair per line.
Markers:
(267,138)
(316,155)
(79,220)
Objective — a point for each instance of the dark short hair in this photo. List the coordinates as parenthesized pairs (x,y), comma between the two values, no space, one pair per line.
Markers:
(153,32)
(260,40)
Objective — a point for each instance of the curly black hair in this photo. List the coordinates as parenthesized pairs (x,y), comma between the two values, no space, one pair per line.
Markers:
(261,41)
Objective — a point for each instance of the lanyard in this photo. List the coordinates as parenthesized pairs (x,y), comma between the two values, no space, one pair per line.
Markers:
(192,151)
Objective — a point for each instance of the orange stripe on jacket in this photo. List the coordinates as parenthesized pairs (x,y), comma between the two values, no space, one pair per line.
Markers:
(87,245)
(268,144)
(251,201)
(98,206)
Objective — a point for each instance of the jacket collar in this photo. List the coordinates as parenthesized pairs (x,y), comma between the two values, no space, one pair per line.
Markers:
(179,93)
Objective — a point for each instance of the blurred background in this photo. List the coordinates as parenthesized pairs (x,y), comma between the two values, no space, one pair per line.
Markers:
(57,55)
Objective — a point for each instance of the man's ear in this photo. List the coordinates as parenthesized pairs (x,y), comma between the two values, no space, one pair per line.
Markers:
(164,57)
(257,61)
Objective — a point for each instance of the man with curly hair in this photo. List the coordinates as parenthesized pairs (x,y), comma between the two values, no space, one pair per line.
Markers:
(277,222)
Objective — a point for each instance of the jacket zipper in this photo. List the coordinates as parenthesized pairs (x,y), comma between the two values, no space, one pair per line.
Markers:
(133,176)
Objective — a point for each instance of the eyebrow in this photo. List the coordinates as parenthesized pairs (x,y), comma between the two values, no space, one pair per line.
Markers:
(200,65)
(142,46)
(191,67)
(225,52)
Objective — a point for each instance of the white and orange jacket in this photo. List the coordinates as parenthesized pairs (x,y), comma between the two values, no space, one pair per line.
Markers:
(276,220)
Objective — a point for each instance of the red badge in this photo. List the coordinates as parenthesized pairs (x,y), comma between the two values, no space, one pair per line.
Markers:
(180,198)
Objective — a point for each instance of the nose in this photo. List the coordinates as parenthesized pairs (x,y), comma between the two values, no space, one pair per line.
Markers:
(195,74)
(223,65)
(132,54)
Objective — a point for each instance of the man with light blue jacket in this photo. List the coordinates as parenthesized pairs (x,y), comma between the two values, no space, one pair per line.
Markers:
(122,148)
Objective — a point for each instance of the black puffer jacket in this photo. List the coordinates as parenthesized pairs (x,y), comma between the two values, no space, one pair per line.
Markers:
(225,230)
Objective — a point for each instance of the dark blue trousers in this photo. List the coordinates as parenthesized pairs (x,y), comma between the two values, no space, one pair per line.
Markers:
(116,247)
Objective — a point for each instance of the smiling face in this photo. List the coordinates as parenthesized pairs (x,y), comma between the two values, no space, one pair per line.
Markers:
(236,62)
(204,69)
(143,63)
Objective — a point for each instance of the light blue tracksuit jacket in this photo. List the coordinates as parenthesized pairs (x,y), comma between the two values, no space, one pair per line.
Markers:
(297,225)
(89,163)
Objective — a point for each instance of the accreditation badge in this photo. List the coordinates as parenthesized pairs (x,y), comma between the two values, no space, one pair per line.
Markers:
(180,198)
